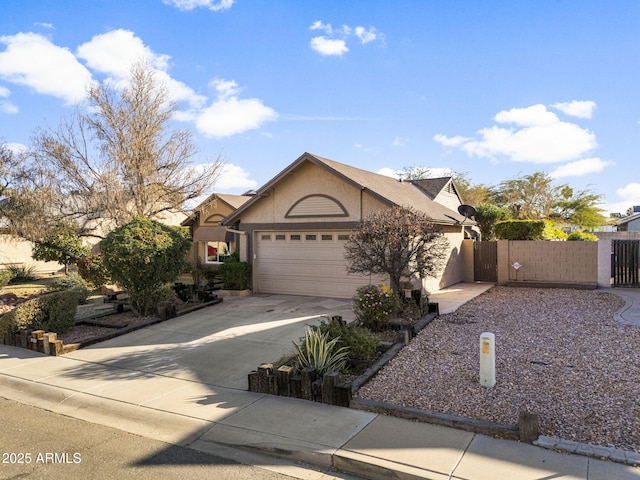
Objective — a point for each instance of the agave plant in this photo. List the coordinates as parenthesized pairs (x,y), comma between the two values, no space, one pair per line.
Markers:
(318,352)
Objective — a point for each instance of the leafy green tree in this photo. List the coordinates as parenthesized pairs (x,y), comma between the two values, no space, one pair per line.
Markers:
(61,246)
(143,256)
(399,242)
(578,208)
(528,197)
(487,215)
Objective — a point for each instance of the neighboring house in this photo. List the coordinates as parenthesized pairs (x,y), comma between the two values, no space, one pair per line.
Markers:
(629,224)
(211,240)
(293,230)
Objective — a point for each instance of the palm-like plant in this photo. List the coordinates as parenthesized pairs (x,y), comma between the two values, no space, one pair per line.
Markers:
(318,352)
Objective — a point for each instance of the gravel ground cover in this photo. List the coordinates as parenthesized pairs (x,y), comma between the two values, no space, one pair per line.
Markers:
(559,354)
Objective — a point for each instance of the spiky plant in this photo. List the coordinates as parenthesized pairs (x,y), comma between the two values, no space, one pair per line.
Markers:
(318,352)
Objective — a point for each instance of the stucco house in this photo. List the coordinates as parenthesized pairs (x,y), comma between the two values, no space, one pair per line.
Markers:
(211,240)
(294,228)
(629,224)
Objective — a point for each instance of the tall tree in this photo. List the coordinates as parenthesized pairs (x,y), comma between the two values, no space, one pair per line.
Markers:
(113,161)
(528,197)
(399,242)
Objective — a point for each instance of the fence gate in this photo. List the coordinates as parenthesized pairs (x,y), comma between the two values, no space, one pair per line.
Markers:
(485,261)
(625,263)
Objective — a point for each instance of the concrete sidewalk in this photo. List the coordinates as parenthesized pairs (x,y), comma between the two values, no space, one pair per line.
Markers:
(123,385)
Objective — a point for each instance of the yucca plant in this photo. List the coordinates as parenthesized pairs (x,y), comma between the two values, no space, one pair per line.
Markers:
(318,352)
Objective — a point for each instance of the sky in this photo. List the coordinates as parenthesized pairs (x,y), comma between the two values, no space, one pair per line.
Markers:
(493,90)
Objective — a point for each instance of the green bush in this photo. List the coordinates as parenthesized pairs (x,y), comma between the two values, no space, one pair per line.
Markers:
(582,237)
(319,352)
(520,230)
(374,305)
(5,277)
(143,256)
(360,341)
(72,282)
(235,275)
(92,269)
(53,312)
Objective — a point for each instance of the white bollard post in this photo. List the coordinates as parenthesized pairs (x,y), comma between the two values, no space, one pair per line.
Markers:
(487,360)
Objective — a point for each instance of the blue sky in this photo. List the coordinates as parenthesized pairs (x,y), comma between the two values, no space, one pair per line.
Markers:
(493,89)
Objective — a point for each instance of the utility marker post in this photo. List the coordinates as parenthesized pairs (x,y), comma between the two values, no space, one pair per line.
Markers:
(488,360)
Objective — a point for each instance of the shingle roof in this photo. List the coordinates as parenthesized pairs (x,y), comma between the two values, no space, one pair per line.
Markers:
(386,189)
(234,201)
(432,186)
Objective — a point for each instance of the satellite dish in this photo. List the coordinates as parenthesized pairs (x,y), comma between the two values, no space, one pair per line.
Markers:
(466,211)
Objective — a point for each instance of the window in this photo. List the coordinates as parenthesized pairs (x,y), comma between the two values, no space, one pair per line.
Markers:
(311,237)
(295,237)
(281,236)
(343,237)
(265,236)
(326,238)
(215,251)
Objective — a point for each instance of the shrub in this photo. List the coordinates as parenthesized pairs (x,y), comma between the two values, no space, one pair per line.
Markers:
(582,237)
(5,277)
(142,256)
(92,269)
(235,275)
(360,341)
(319,352)
(520,230)
(22,273)
(72,282)
(53,312)
(374,305)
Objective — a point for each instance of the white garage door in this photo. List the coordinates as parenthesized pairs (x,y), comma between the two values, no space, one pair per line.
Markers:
(305,263)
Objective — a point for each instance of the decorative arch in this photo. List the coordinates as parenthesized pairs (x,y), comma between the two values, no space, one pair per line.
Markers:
(317,205)
(215,218)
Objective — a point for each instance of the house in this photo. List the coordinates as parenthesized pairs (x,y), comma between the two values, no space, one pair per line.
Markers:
(630,223)
(211,240)
(294,228)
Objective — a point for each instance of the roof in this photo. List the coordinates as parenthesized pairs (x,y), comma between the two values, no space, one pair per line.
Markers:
(386,189)
(433,186)
(628,219)
(233,201)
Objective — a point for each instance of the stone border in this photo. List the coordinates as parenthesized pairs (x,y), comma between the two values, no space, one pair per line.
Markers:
(594,451)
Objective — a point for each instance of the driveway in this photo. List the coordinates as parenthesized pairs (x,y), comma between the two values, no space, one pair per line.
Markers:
(218,345)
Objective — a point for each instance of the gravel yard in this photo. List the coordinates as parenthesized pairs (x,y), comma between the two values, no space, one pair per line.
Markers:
(559,354)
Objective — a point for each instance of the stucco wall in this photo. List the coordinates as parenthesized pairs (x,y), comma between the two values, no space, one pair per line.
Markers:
(309,179)
(548,262)
(456,266)
(18,252)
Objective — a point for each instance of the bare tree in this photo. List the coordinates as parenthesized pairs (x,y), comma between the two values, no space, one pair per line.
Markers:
(114,160)
(399,242)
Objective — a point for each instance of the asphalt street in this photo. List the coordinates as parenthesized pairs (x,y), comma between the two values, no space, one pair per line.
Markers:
(39,444)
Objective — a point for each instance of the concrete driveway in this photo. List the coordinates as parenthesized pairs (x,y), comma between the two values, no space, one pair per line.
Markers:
(218,345)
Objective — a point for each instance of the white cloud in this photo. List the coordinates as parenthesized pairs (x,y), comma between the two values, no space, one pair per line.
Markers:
(576,108)
(537,137)
(580,168)
(334,41)
(327,46)
(630,196)
(450,141)
(213,5)
(399,141)
(234,177)
(8,107)
(365,35)
(388,172)
(230,115)
(113,53)
(32,60)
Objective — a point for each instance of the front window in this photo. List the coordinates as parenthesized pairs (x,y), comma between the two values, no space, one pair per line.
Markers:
(215,252)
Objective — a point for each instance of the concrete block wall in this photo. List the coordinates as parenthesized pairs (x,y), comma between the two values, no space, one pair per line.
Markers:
(548,262)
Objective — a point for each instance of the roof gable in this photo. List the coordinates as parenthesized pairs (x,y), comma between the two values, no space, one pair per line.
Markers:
(386,189)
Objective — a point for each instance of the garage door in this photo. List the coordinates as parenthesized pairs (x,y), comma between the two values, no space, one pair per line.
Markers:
(305,263)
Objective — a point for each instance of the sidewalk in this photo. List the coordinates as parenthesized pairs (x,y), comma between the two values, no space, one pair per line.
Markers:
(182,410)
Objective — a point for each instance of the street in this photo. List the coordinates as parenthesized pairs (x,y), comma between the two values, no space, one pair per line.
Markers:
(38,444)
